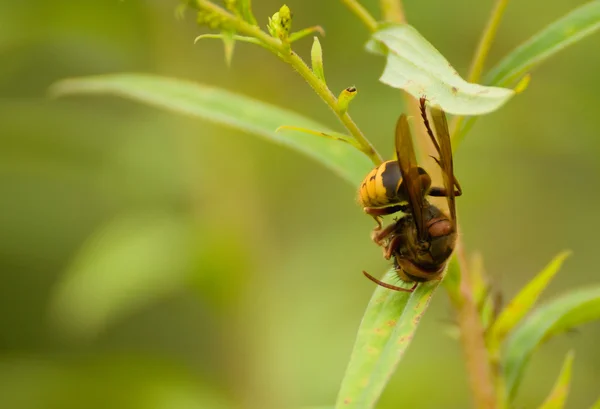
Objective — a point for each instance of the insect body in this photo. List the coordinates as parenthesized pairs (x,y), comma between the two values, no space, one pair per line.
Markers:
(417,260)
(381,191)
(421,241)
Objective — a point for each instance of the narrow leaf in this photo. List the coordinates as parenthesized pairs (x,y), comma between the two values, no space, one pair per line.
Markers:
(560,391)
(229,46)
(333,135)
(387,328)
(414,65)
(523,302)
(126,265)
(305,32)
(235,37)
(245,7)
(229,109)
(567,30)
(452,280)
(552,318)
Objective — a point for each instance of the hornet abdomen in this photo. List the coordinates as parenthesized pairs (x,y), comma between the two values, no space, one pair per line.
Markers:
(381,187)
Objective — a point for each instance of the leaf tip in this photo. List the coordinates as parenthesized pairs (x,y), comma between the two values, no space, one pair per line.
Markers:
(200,37)
(560,391)
(558,260)
(58,89)
(522,84)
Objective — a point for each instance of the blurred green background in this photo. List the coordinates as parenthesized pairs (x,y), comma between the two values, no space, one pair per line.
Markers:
(150,260)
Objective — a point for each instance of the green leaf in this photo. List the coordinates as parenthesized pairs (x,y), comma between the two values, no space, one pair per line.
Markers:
(560,391)
(106,380)
(567,30)
(245,7)
(305,32)
(229,109)
(126,265)
(596,405)
(524,301)
(452,280)
(552,318)
(235,37)
(387,328)
(320,407)
(415,66)
(334,135)
(228,45)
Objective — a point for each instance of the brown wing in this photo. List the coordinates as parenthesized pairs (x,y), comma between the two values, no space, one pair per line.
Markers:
(411,183)
(422,102)
(445,149)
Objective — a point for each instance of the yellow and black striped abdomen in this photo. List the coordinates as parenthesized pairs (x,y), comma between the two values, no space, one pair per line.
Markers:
(380,186)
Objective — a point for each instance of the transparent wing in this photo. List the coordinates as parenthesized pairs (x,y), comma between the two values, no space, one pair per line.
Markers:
(411,182)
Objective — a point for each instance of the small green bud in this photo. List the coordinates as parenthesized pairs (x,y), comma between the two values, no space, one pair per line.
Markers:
(346,96)
(285,16)
(280,23)
(316,56)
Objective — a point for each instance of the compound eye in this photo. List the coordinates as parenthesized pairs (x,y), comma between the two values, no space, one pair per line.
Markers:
(440,228)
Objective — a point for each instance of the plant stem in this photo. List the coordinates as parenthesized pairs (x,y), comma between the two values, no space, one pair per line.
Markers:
(483,48)
(286,54)
(361,13)
(486,41)
(392,11)
(479,369)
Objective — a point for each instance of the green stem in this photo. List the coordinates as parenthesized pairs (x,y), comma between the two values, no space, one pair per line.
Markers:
(284,52)
(485,43)
(392,10)
(362,14)
(477,358)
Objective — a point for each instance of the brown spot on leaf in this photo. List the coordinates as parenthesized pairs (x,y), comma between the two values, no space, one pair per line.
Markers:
(417,319)
(347,401)
(454,90)
(405,339)
(391,323)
